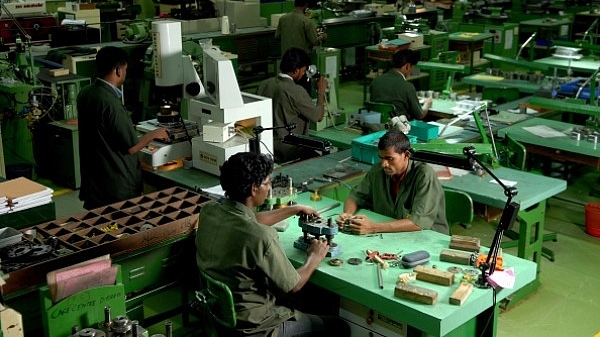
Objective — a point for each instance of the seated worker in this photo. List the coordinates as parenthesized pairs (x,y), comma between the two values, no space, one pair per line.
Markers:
(238,247)
(400,188)
(292,104)
(393,88)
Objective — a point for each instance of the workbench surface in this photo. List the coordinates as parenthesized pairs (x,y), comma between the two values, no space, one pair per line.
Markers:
(359,283)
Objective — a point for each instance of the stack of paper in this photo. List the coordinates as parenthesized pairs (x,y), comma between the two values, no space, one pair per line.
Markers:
(21,193)
(85,275)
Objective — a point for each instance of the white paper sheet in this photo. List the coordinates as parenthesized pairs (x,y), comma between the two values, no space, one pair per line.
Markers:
(544,131)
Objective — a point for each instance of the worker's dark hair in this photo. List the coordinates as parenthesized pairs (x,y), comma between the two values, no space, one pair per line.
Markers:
(402,57)
(300,3)
(293,58)
(242,171)
(394,139)
(108,58)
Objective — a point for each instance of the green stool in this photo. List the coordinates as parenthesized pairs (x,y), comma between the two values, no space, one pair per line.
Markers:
(215,304)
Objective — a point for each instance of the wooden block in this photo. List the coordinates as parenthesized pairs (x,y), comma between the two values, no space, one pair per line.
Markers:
(460,295)
(58,72)
(414,293)
(436,276)
(466,243)
(454,256)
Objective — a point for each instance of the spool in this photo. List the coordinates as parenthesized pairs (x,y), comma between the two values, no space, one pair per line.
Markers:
(592,218)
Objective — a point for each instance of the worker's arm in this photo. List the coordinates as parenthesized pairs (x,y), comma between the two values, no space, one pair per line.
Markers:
(361,224)
(270,218)
(161,134)
(426,106)
(315,254)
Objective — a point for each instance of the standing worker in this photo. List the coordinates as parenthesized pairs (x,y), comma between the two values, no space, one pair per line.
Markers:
(108,143)
(296,30)
(393,88)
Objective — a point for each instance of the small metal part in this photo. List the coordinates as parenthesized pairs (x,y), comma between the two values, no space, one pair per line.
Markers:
(379,276)
(39,250)
(336,262)
(471,272)
(146,227)
(328,208)
(316,196)
(18,251)
(121,324)
(355,261)
(455,269)
(90,332)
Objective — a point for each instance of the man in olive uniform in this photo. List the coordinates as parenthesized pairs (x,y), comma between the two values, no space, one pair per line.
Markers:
(400,188)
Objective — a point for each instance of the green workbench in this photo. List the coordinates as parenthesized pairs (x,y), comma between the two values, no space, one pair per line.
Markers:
(500,82)
(586,64)
(359,283)
(557,148)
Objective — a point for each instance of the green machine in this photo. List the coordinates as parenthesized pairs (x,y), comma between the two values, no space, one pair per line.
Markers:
(18,81)
(328,62)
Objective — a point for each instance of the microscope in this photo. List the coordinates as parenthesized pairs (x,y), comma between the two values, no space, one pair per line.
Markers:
(175,78)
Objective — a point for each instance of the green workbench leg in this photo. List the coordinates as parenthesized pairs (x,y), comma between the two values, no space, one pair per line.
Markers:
(529,240)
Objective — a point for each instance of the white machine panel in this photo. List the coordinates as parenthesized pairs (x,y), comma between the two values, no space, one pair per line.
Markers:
(156,153)
(209,157)
(217,132)
(204,111)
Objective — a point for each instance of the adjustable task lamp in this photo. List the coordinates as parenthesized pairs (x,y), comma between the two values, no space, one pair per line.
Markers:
(292,139)
(509,213)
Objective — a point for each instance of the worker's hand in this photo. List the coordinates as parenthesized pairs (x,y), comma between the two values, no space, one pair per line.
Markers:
(342,219)
(361,224)
(318,249)
(322,85)
(427,104)
(160,134)
(323,36)
(303,209)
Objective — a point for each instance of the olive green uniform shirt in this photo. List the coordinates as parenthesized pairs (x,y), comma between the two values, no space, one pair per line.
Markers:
(296,30)
(291,105)
(234,248)
(393,88)
(108,172)
(420,197)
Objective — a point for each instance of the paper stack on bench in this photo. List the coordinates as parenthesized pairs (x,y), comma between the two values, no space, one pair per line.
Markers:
(21,193)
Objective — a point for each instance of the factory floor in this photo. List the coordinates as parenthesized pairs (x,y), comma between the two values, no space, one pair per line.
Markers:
(568,301)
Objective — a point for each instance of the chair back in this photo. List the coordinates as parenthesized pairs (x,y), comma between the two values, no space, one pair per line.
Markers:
(459,207)
(218,299)
(386,109)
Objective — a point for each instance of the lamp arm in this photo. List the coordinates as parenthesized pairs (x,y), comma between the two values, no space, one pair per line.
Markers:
(509,214)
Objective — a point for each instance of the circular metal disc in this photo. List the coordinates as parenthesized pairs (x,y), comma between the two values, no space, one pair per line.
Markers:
(336,262)
(354,260)
(38,250)
(455,270)
(472,272)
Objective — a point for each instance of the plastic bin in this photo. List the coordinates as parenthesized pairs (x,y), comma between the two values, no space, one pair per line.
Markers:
(423,131)
(592,218)
(364,149)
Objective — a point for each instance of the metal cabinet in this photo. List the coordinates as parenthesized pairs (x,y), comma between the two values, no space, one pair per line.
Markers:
(59,153)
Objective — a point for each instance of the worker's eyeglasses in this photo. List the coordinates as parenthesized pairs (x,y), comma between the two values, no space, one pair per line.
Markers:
(266,183)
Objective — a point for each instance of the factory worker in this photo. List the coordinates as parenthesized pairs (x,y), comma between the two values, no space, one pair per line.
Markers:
(393,88)
(294,29)
(238,247)
(400,188)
